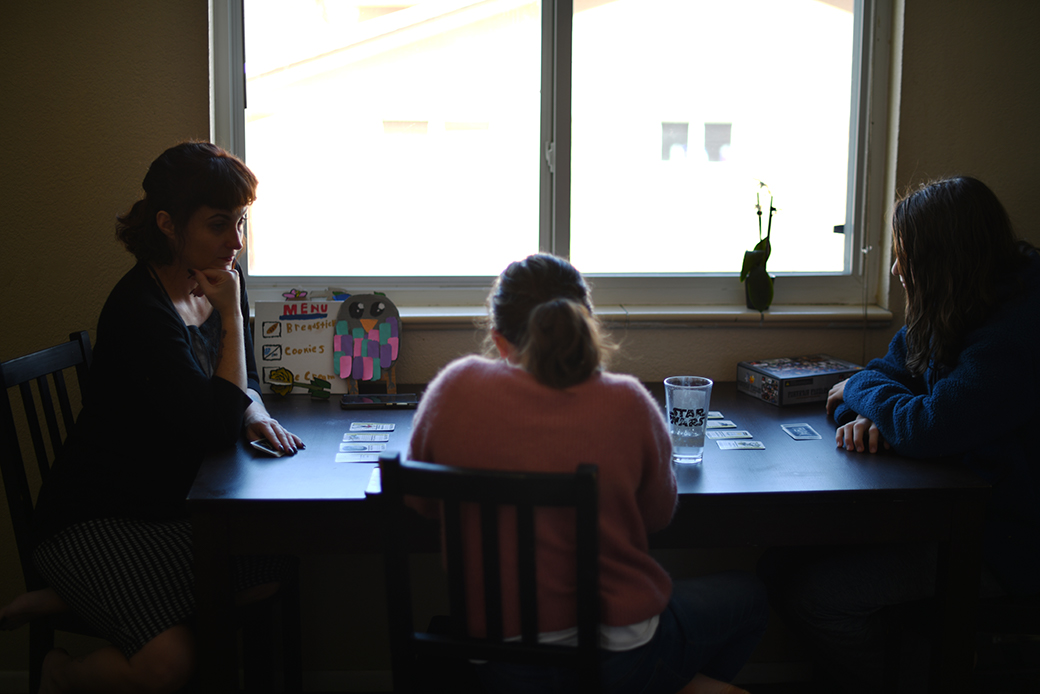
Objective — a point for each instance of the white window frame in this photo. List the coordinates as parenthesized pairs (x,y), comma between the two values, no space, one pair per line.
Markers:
(866,205)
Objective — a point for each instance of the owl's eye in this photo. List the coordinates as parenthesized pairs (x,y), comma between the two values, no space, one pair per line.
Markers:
(378,309)
(357,309)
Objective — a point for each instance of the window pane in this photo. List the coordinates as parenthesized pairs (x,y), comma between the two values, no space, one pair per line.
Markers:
(392,138)
(680,107)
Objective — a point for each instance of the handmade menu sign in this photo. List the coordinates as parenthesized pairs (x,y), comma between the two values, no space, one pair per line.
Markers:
(293,342)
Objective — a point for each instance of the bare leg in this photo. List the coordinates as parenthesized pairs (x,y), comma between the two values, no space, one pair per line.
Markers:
(29,606)
(702,684)
(163,666)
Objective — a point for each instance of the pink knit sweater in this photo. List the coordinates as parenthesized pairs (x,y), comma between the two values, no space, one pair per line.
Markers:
(488,414)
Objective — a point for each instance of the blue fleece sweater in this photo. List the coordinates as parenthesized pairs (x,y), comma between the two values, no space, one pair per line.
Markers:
(980,412)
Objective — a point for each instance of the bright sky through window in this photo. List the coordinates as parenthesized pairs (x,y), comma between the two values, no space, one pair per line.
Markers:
(403,138)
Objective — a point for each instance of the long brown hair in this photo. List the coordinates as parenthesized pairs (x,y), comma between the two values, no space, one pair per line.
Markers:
(542,306)
(954,243)
(181,180)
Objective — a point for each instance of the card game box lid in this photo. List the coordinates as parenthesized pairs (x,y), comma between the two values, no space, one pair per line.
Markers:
(797,367)
(791,380)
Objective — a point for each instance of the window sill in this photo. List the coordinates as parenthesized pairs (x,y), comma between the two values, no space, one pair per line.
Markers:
(643,317)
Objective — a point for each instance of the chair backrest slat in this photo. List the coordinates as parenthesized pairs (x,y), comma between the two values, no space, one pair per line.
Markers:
(16,484)
(35,429)
(492,490)
(82,340)
(587,528)
(491,564)
(21,372)
(50,414)
(452,519)
(61,391)
(527,574)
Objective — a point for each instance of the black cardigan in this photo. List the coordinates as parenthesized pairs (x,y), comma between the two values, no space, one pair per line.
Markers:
(151,410)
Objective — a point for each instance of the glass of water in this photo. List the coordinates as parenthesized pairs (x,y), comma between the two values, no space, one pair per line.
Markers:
(686,405)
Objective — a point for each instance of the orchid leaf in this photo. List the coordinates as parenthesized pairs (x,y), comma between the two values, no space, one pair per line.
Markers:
(752,259)
(764,245)
(759,287)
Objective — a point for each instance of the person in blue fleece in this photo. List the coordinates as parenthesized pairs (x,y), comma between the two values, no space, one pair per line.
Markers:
(958,383)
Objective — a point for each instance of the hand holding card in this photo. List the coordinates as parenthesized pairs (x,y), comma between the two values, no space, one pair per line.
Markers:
(264,446)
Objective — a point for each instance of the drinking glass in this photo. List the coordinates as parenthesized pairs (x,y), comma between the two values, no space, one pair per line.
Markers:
(686,404)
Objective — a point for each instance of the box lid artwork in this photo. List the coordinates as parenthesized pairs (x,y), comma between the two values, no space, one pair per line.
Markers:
(790,380)
(810,365)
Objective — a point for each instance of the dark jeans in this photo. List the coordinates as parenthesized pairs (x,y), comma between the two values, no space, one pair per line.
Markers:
(711,625)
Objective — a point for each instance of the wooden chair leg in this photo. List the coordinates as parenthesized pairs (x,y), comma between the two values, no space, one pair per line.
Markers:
(259,634)
(292,633)
(41,641)
(257,652)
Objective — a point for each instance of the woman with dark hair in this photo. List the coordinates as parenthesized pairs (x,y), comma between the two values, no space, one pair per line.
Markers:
(173,377)
(964,358)
(547,405)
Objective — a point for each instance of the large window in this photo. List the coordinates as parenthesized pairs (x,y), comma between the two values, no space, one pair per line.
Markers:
(427,143)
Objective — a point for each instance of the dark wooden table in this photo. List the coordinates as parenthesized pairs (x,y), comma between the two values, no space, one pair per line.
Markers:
(791,493)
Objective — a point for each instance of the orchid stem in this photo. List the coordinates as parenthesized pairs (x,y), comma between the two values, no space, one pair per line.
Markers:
(758,206)
(769,227)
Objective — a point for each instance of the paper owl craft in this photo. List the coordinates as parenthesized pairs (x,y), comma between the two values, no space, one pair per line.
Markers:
(368,337)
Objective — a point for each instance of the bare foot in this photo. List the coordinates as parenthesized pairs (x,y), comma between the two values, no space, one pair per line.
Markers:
(52,662)
(702,684)
(29,606)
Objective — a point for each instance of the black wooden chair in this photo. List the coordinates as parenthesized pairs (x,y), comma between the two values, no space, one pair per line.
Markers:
(22,372)
(48,368)
(419,657)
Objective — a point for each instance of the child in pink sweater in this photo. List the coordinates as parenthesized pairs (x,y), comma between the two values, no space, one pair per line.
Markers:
(547,406)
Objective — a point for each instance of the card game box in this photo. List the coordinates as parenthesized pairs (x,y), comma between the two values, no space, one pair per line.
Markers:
(793,380)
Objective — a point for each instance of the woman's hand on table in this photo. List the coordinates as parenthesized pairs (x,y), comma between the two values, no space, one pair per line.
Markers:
(260,425)
(835,397)
(859,435)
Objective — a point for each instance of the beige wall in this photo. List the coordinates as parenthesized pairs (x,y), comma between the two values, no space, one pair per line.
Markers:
(92,92)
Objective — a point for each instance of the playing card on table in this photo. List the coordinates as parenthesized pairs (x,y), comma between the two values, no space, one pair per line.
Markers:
(357,457)
(741,445)
(365,438)
(361,447)
(727,434)
(371,426)
(714,414)
(721,424)
(800,431)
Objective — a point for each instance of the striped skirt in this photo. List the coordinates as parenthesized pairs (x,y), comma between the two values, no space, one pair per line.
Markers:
(132,579)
